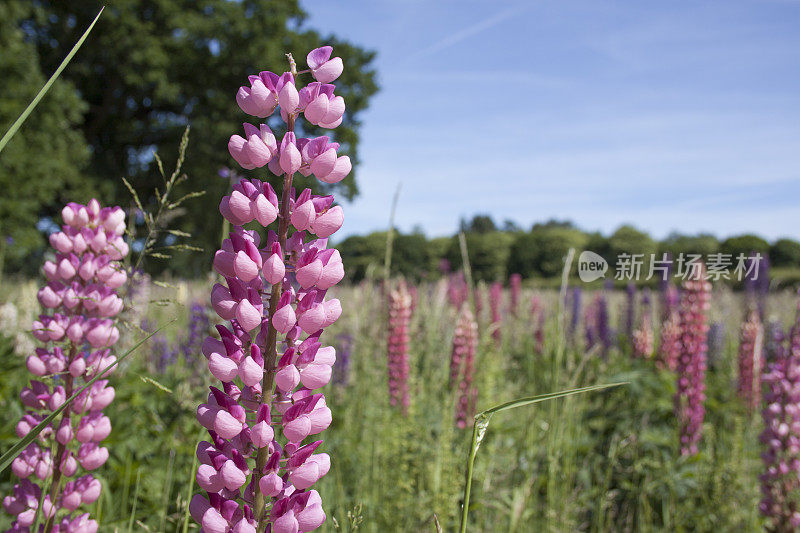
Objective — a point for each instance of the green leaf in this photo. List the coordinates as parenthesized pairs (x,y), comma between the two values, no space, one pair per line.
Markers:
(519,402)
(16,125)
(10,455)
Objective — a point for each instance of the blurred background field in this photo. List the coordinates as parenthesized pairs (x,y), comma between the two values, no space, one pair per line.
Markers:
(597,462)
(694,178)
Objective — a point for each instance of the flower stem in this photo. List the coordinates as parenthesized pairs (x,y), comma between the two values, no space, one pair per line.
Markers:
(271,348)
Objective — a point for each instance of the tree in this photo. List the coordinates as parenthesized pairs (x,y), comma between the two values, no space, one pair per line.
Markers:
(41,167)
(541,252)
(488,254)
(785,253)
(676,244)
(479,224)
(152,67)
(743,245)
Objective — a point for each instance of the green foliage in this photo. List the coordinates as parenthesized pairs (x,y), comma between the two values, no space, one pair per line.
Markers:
(594,462)
(488,254)
(541,252)
(744,244)
(43,163)
(165,64)
(629,240)
(479,224)
(676,244)
(785,253)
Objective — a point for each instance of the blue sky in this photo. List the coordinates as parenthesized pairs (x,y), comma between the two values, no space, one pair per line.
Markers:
(675,115)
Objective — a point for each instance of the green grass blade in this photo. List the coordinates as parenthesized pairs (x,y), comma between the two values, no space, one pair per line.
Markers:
(519,402)
(15,450)
(482,424)
(16,125)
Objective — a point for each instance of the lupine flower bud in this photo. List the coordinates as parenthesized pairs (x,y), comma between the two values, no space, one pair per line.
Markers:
(76,339)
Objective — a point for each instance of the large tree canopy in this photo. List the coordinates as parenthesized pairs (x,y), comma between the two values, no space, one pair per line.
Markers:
(41,166)
(150,68)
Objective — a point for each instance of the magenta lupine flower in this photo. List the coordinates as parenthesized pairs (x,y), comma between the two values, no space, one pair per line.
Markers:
(669,349)
(750,360)
(261,461)
(780,482)
(495,300)
(515,285)
(462,365)
(76,332)
(397,345)
(643,335)
(457,290)
(691,369)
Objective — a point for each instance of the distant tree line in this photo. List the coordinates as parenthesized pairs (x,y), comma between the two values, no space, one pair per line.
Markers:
(495,251)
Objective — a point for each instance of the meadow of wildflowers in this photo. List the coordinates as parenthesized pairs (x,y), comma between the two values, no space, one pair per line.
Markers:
(281,399)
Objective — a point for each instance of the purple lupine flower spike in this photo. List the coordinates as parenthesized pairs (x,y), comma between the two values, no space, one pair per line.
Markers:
(397,362)
(77,331)
(261,461)
(750,361)
(780,481)
(691,368)
(643,339)
(462,365)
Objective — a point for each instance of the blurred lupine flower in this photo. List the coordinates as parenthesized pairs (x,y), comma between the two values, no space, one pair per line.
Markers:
(643,338)
(457,290)
(414,293)
(495,300)
(163,355)
(780,482)
(345,349)
(774,337)
(750,360)
(691,381)
(590,323)
(669,349)
(280,287)
(515,284)
(537,321)
(75,345)
(670,299)
(756,281)
(198,328)
(575,310)
(462,365)
(603,330)
(444,266)
(630,309)
(397,345)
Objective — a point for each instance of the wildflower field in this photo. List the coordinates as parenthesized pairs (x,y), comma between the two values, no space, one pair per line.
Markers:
(220,360)
(607,460)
